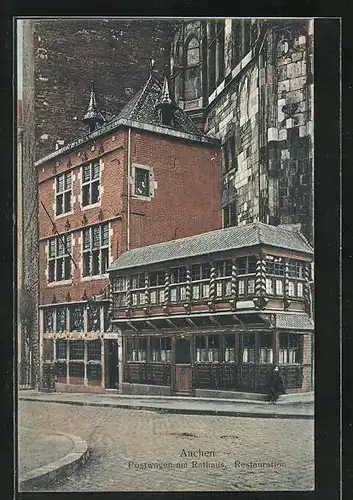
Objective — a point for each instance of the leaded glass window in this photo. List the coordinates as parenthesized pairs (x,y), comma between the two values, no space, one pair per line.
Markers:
(61,350)
(274,265)
(61,319)
(95,250)
(93,313)
(94,350)
(77,349)
(295,268)
(59,259)
(77,318)
(48,320)
(63,193)
(91,183)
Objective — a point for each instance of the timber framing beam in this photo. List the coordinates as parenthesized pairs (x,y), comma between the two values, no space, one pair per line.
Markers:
(170,322)
(151,325)
(190,321)
(132,326)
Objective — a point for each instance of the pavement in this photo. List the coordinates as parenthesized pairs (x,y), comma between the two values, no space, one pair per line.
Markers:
(291,406)
(145,450)
(46,455)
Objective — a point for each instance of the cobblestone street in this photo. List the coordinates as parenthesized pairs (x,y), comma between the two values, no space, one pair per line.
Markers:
(122,441)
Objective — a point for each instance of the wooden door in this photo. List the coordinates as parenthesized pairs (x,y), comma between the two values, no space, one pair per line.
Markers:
(182,380)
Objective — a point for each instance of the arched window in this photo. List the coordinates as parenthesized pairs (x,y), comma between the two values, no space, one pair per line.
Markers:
(242,37)
(193,52)
(192,76)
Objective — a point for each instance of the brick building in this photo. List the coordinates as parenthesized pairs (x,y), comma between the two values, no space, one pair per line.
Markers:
(146,176)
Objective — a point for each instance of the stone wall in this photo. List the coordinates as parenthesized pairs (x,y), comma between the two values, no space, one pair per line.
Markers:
(266,103)
(29,292)
(70,53)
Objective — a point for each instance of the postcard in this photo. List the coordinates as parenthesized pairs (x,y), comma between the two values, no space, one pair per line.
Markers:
(165,208)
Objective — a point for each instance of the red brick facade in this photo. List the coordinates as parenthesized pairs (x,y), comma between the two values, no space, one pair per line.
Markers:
(186,200)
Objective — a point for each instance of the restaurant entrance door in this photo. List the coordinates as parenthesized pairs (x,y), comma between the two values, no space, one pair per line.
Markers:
(182,360)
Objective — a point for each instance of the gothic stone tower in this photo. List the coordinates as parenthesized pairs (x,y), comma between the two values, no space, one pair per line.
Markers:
(249,83)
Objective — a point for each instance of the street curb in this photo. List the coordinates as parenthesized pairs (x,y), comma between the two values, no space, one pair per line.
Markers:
(45,475)
(185,411)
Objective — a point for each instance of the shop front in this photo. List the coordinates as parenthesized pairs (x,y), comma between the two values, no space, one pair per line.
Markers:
(201,363)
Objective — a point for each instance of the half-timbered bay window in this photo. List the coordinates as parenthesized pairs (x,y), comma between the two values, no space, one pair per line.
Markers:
(246,267)
(275,271)
(91,183)
(136,349)
(266,348)
(63,193)
(95,250)
(215,54)
(160,349)
(76,358)
(248,347)
(138,289)
(223,278)
(59,260)
(290,348)
(178,284)
(119,286)
(156,281)
(200,276)
(295,268)
(275,275)
(207,348)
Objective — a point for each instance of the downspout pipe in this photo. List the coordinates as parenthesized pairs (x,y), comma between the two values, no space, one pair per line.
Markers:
(128,189)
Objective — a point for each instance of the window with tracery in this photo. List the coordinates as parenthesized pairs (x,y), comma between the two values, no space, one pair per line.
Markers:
(215,54)
(192,77)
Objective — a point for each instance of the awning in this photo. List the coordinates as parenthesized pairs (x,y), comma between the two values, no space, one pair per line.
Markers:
(294,321)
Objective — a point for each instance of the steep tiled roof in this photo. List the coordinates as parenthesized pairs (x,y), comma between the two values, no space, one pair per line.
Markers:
(214,241)
(141,108)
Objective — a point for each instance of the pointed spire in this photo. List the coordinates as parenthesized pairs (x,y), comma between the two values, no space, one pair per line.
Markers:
(166,104)
(152,63)
(93,117)
(165,97)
